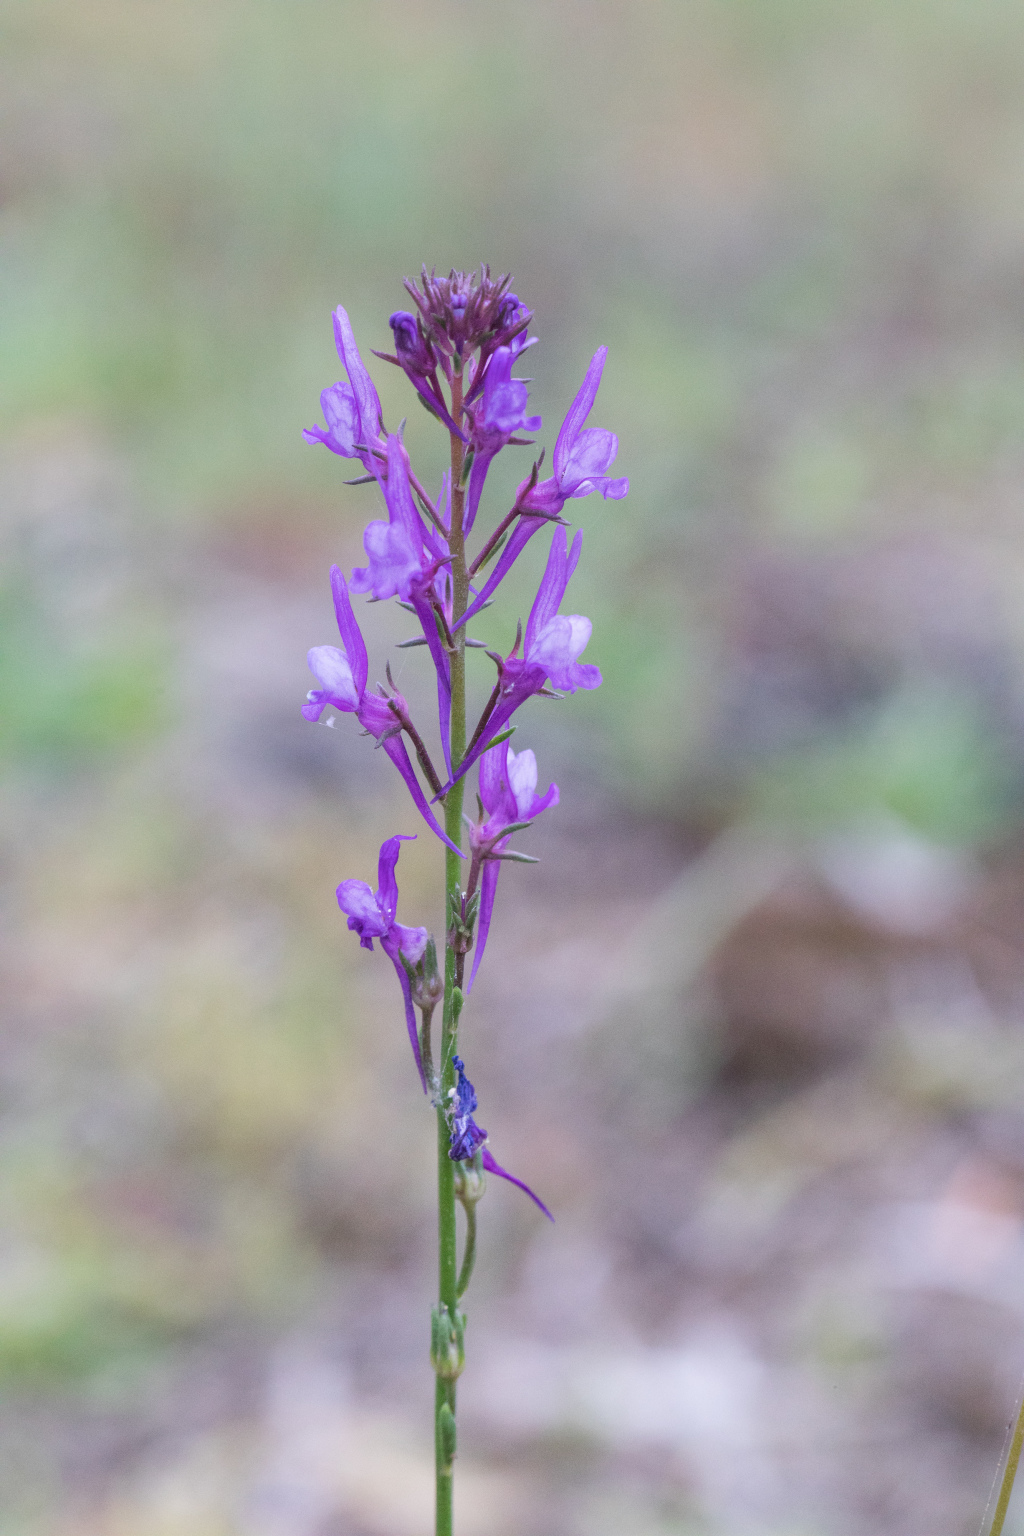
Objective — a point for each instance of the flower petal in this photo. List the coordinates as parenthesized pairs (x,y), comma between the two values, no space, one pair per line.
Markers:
(351,636)
(363,910)
(387,885)
(367,403)
(494,1167)
(578,412)
(390,944)
(330,666)
(591,455)
(551,589)
(488,891)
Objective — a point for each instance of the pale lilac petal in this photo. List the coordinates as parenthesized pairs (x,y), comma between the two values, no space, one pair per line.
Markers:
(488,891)
(611,490)
(367,402)
(316,702)
(398,494)
(394,564)
(522,780)
(579,674)
(412,942)
(365,917)
(351,636)
(551,589)
(544,802)
(390,944)
(330,666)
(494,1167)
(495,791)
(578,412)
(591,455)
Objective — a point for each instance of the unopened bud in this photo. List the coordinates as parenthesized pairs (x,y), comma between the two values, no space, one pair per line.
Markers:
(447,1342)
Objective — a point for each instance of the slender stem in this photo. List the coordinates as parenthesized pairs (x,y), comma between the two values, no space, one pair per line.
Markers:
(469,1252)
(446,1230)
(1010,1472)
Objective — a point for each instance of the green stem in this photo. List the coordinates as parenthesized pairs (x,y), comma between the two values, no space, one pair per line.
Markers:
(446,1232)
(1003,1503)
(469,1252)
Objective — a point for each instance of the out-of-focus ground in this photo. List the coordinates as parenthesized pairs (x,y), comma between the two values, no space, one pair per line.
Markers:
(755,1026)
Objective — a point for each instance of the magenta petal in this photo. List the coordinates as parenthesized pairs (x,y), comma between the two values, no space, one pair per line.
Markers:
(477,475)
(366,399)
(488,891)
(578,412)
(355,646)
(387,885)
(390,945)
(495,790)
(394,746)
(492,1167)
(552,587)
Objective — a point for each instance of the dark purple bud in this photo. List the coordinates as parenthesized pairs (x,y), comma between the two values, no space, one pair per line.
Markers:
(413,351)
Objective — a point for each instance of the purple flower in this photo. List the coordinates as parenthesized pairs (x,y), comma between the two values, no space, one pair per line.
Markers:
(508,793)
(406,560)
(352,411)
(373,917)
(467,1139)
(581,456)
(552,646)
(502,413)
(416,358)
(341,672)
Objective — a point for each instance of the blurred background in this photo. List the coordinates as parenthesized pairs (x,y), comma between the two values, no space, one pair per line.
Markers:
(754,1027)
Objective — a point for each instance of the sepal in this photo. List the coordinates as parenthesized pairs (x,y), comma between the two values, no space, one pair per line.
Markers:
(447,1342)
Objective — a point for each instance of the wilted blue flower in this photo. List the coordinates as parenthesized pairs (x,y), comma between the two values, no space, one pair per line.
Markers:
(467,1138)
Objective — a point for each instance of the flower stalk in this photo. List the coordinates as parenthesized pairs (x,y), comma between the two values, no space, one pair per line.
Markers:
(467,336)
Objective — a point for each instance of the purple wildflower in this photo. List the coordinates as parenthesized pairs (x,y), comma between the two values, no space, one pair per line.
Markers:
(352,411)
(581,456)
(342,673)
(406,560)
(467,1139)
(501,414)
(373,917)
(508,793)
(552,646)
